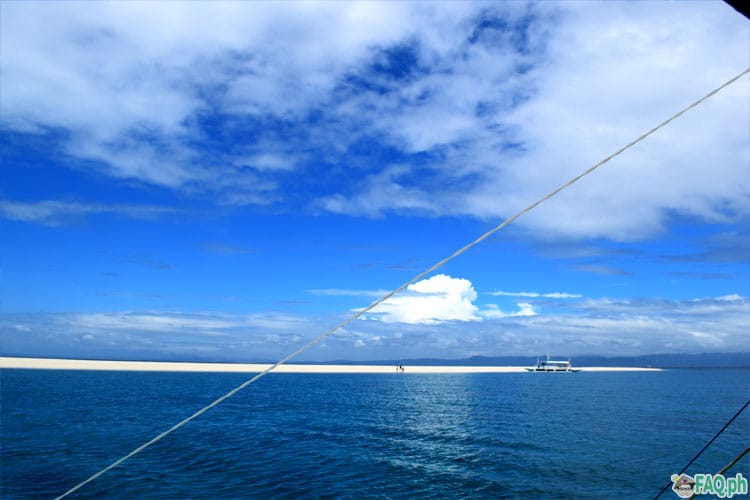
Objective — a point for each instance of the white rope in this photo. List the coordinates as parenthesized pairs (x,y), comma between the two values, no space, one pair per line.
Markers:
(413,280)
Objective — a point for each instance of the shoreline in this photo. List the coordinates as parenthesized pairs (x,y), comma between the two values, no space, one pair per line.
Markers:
(175,366)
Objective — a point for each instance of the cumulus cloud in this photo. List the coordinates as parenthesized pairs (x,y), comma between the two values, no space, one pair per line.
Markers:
(439,299)
(434,300)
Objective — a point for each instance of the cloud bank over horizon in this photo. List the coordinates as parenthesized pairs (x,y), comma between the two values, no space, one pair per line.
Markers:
(599,327)
(429,321)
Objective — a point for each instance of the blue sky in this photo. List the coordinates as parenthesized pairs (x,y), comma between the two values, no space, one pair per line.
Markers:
(225,181)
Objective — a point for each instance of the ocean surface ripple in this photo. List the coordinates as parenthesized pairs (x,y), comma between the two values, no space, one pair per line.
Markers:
(583,435)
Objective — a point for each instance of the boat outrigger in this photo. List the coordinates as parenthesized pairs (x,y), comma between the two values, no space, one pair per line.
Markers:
(549,365)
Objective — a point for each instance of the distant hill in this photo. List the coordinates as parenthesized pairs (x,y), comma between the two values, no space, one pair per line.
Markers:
(707,360)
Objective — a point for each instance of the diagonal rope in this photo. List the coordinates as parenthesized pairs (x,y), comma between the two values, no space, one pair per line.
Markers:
(706,447)
(413,280)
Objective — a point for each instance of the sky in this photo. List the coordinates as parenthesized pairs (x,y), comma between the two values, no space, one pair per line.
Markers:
(226,181)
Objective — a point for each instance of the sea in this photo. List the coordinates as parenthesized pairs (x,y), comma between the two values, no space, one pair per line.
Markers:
(352,436)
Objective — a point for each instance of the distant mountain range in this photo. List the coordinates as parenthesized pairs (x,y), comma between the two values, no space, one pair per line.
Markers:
(705,360)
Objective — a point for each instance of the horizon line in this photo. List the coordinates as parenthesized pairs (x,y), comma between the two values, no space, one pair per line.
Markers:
(176,366)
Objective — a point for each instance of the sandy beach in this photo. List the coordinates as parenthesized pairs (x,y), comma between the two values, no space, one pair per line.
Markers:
(84,364)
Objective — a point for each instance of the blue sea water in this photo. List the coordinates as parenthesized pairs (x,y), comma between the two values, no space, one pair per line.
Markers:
(583,435)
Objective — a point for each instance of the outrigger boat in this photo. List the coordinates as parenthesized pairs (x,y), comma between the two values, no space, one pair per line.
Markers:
(549,365)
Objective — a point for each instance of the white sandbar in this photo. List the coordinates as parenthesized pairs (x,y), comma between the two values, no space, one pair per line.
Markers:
(160,366)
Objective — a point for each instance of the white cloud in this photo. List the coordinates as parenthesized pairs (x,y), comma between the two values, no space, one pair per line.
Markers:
(439,299)
(562,295)
(152,322)
(215,324)
(515,294)
(385,193)
(52,213)
(616,72)
(731,298)
(267,161)
(501,115)
(546,295)
(589,326)
(430,301)
(128,82)
(604,74)
(493,311)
